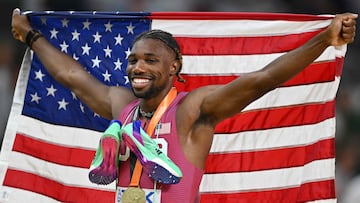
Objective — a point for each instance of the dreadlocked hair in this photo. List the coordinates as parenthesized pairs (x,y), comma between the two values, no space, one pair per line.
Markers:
(169,41)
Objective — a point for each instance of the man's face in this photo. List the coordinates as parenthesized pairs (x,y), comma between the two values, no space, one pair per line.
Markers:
(150,68)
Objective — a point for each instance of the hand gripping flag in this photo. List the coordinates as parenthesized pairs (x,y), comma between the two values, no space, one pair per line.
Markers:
(280,148)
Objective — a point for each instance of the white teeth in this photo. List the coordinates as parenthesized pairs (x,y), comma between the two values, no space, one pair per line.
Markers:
(140,80)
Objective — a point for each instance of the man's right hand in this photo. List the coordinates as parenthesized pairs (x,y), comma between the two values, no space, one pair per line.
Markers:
(342,29)
(20,25)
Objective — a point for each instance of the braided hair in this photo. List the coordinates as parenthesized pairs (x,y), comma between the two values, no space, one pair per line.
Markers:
(169,41)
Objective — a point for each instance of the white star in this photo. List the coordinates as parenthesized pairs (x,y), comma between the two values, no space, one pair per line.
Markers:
(108,51)
(127,52)
(75,35)
(96,115)
(43,21)
(97,37)
(82,108)
(108,26)
(75,57)
(130,28)
(62,104)
(117,64)
(86,49)
(106,76)
(53,33)
(35,98)
(51,91)
(118,39)
(86,24)
(39,75)
(64,47)
(73,95)
(96,62)
(64,22)
(126,79)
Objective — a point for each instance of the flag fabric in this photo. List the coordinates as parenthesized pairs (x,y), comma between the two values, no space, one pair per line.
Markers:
(280,148)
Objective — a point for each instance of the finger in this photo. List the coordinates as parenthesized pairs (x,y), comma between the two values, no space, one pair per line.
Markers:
(349,15)
(348,33)
(347,18)
(354,16)
(348,38)
(349,22)
(348,29)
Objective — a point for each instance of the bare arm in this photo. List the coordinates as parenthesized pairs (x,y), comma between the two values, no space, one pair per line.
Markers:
(245,89)
(104,100)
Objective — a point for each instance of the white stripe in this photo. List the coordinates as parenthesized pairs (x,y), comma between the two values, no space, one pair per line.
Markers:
(269,179)
(15,195)
(237,27)
(340,51)
(60,135)
(297,95)
(324,201)
(232,64)
(67,175)
(17,105)
(16,108)
(273,138)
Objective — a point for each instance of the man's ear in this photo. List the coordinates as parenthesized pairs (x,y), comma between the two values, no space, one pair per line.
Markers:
(174,68)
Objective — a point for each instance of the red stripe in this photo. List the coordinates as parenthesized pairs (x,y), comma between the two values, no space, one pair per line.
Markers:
(235,16)
(54,189)
(315,73)
(306,192)
(270,158)
(339,66)
(276,118)
(64,155)
(242,45)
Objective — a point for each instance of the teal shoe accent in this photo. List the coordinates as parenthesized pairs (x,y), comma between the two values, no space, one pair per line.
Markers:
(155,163)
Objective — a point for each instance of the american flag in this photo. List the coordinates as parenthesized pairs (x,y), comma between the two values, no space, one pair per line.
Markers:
(279,149)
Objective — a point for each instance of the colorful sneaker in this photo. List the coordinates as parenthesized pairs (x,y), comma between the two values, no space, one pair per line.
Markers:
(155,163)
(104,167)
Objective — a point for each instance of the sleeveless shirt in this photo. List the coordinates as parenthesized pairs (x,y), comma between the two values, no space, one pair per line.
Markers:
(187,190)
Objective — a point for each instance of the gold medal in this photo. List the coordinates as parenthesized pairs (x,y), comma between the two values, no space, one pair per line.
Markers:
(133,195)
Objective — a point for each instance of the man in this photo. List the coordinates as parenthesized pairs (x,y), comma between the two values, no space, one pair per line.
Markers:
(153,64)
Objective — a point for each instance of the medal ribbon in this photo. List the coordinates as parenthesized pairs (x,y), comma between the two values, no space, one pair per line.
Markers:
(165,103)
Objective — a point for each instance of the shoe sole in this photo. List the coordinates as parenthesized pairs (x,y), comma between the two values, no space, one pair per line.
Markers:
(155,168)
(106,172)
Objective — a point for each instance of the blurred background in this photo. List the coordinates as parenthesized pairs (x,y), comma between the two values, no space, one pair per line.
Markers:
(348,105)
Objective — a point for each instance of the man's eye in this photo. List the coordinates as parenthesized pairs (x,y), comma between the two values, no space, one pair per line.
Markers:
(132,61)
(150,60)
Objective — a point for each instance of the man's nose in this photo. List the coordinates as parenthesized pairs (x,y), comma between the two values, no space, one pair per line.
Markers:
(139,67)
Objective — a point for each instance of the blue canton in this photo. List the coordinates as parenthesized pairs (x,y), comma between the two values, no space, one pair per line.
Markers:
(101,42)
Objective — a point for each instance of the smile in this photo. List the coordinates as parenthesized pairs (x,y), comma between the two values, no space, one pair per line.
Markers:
(140,80)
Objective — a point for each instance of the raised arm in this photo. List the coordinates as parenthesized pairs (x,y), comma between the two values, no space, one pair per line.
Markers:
(242,91)
(104,100)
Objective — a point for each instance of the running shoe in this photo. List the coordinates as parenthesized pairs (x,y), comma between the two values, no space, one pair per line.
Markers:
(156,164)
(104,167)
